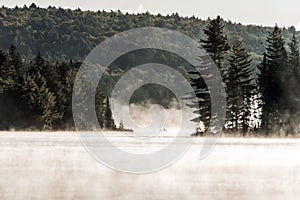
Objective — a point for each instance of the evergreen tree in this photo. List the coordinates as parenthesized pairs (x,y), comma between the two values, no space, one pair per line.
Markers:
(39,98)
(44,87)
(68,77)
(202,105)
(56,87)
(16,63)
(294,74)
(271,81)
(240,87)
(13,51)
(8,73)
(43,90)
(263,90)
(54,83)
(109,122)
(216,46)
(294,58)
(13,54)
(216,43)
(292,92)
(39,64)
(100,108)
(3,59)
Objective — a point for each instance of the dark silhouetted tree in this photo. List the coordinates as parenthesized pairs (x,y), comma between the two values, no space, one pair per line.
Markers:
(109,122)
(240,87)
(216,42)
(270,81)
(100,109)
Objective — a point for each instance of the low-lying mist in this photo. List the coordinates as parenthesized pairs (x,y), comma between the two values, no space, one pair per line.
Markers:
(148,118)
(56,166)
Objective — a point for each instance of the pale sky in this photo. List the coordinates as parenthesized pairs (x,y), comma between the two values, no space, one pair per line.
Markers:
(260,12)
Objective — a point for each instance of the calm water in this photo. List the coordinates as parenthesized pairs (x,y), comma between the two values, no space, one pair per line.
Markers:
(56,166)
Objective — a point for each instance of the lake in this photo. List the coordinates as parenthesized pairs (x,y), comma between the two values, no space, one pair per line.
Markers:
(57,166)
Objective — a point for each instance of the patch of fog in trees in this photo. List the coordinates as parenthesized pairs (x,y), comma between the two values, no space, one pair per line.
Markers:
(153,118)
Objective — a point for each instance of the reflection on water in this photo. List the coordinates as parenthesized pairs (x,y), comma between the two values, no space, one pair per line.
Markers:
(56,166)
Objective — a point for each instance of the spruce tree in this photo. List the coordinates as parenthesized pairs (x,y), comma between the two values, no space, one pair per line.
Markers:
(16,63)
(263,90)
(216,46)
(294,58)
(100,108)
(40,88)
(11,66)
(49,111)
(109,122)
(270,81)
(3,59)
(201,105)
(216,42)
(294,73)
(68,77)
(292,92)
(8,73)
(55,86)
(240,87)
(38,97)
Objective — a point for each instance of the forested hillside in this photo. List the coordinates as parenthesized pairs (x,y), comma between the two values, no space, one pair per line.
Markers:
(42,49)
(63,34)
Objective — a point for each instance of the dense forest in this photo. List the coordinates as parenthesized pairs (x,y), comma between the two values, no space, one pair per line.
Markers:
(264,105)
(38,95)
(42,49)
(64,34)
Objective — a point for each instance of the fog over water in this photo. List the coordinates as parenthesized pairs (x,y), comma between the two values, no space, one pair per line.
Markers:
(57,166)
(150,120)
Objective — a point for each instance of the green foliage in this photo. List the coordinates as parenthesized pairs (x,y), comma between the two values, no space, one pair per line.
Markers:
(216,43)
(100,108)
(63,34)
(37,89)
(8,72)
(291,84)
(109,122)
(42,90)
(240,87)
(39,98)
(202,107)
(271,81)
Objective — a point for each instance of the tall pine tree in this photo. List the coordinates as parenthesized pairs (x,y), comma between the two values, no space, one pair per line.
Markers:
(216,46)
(39,98)
(240,86)
(292,92)
(216,42)
(100,109)
(109,122)
(270,81)
(8,72)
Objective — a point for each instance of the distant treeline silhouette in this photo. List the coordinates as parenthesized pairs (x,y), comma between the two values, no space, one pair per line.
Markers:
(259,66)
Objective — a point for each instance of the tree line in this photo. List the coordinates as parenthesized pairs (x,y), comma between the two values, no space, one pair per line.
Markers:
(262,105)
(63,34)
(38,94)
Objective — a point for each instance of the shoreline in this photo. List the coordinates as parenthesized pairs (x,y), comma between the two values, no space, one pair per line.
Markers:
(124,133)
